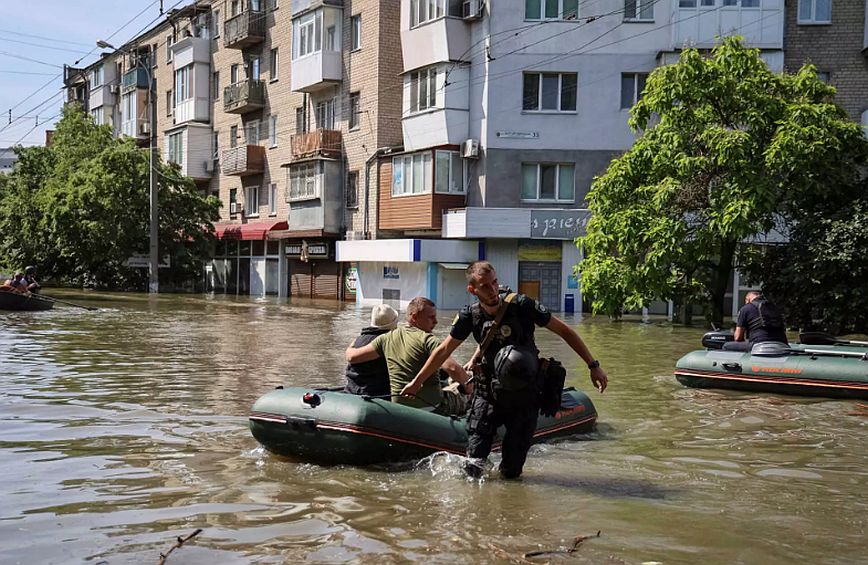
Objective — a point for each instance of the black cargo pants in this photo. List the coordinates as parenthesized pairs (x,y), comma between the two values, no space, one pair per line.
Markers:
(517,412)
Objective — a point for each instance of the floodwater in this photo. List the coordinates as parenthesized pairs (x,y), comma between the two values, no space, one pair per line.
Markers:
(126,427)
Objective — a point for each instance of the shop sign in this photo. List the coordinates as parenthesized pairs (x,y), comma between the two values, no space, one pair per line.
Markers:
(313,249)
(539,251)
(144,261)
(558,224)
(518,134)
(391,273)
(351,278)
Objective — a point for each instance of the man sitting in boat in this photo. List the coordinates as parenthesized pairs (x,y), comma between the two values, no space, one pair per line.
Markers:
(758,321)
(406,349)
(30,279)
(371,378)
(16,284)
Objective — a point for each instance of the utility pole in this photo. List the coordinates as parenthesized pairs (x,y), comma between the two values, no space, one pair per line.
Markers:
(154,247)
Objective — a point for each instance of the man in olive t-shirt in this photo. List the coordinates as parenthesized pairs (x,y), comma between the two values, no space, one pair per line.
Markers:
(406,349)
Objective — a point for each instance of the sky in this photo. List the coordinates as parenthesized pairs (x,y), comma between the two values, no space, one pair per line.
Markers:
(38,36)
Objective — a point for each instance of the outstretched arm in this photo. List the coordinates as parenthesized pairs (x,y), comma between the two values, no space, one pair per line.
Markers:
(437,358)
(361,354)
(566,333)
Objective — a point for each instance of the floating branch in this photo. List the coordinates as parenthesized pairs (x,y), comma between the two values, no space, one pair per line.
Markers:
(181,541)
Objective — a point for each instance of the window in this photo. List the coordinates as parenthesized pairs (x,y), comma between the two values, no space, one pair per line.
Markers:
(255,5)
(216,21)
(274,64)
(423,89)
(304,180)
(642,10)
(353,189)
(550,92)
(325,114)
(272,131)
(307,34)
(273,4)
(331,36)
(824,76)
(272,199)
(251,132)
(412,174)
(448,172)
(551,9)
(183,84)
(233,201)
(233,136)
(300,120)
(96,77)
(251,201)
(169,42)
(686,3)
(355,109)
(356,32)
(176,148)
(215,85)
(234,8)
(233,74)
(548,181)
(215,145)
(170,102)
(254,68)
(422,11)
(98,115)
(815,11)
(632,86)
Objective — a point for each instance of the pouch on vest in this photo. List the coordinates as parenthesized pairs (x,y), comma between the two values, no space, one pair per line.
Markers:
(552,377)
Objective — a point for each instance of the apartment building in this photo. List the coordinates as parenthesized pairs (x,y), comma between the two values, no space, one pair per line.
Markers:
(833,36)
(281,109)
(509,110)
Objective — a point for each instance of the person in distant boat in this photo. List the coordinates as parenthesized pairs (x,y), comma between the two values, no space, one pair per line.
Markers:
(30,279)
(758,321)
(371,378)
(16,284)
(406,349)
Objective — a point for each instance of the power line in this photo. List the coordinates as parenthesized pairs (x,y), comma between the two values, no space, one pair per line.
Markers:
(4,71)
(23,58)
(54,39)
(40,46)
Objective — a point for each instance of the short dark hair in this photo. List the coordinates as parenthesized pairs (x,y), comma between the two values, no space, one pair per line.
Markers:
(752,295)
(478,268)
(417,305)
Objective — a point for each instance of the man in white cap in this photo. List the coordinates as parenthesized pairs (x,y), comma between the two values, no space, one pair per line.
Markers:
(371,378)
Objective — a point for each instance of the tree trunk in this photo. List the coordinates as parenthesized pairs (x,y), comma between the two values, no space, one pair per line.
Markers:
(682,312)
(722,276)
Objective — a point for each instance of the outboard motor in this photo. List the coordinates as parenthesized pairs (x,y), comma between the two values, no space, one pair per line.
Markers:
(716,339)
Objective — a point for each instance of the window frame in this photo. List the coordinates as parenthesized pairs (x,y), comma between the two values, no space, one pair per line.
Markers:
(417,7)
(539,166)
(352,188)
(170,40)
(272,131)
(355,105)
(250,210)
(97,76)
(637,93)
(324,112)
(813,17)
(253,125)
(215,85)
(175,148)
(453,155)
(541,93)
(183,84)
(638,6)
(170,103)
(408,168)
(415,82)
(307,175)
(274,62)
(272,199)
(355,32)
(543,4)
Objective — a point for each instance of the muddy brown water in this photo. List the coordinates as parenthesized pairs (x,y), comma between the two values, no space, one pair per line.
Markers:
(124,428)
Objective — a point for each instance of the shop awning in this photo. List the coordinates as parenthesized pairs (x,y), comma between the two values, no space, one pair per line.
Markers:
(454,266)
(249,231)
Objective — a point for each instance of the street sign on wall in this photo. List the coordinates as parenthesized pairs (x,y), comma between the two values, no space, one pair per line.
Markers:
(558,224)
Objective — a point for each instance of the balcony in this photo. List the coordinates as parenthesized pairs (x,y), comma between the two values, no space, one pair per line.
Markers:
(245,96)
(438,41)
(316,71)
(322,142)
(134,79)
(244,160)
(244,30)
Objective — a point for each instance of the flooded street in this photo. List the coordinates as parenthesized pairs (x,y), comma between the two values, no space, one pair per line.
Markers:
(126,427)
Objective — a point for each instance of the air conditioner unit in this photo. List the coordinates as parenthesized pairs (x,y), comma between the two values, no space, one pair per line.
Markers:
(470,149)
(209,165)
(233,207)
(472,9)
(115,88)
(144,128)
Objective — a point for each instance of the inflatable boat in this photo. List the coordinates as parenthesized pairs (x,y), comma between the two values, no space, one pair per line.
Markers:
(27,302)
(333,427)
(820,365)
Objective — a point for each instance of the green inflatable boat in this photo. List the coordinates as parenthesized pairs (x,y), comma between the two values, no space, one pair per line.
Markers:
(333,427)
(818,366)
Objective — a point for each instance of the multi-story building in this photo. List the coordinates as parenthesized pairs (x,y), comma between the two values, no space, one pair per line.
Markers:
(279,108)
(833,36)
(509,111)
(8,158)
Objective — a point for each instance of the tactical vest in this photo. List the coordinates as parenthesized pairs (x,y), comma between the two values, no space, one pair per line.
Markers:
(769,316)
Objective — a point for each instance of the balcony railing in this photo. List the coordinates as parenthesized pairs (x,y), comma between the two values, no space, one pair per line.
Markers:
(243,30)
(133,79)
(244,96)
(243,160)
(321,142)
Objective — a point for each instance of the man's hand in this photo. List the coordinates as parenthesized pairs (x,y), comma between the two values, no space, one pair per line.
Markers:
(411,389)
(599,379)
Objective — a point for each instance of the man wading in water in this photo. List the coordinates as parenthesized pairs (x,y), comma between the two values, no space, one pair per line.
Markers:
(506,396)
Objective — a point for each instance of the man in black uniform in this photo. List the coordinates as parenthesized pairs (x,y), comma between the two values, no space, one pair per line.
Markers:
(758,320)
(371,378)
(496,403)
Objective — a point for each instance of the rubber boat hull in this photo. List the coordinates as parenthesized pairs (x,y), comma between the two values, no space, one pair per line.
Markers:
(826,371)
(333,427)
(23,302)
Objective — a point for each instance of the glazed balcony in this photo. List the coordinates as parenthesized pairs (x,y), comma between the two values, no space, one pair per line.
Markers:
(245,96)
(318,143)
(244,30)
(243,160)
(134,79)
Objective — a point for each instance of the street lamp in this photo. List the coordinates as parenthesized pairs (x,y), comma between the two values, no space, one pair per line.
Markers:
(154,246)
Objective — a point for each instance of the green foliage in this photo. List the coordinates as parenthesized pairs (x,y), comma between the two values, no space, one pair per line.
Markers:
(725,147)
(80,208)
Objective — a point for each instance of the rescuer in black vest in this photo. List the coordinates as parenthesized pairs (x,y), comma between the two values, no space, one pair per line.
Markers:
(506,393)
(371,378)
(758,320)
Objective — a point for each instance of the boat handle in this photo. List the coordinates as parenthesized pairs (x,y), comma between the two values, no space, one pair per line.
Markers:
(296,423)
(732,366)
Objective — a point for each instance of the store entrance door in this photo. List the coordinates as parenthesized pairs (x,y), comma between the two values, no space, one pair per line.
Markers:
(541,280)
(529,289)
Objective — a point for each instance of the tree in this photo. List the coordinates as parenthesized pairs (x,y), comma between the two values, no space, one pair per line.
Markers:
(725,148)
(80,209)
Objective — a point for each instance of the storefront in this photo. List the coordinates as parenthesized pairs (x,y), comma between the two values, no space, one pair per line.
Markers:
(245,262)
(311,270)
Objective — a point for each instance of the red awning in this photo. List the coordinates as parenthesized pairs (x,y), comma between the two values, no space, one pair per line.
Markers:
(248,231)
